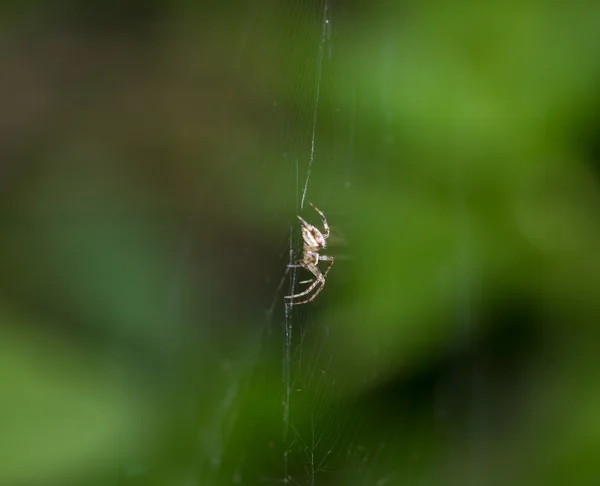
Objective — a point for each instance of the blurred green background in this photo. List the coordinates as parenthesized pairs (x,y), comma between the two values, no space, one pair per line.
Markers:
(154,157)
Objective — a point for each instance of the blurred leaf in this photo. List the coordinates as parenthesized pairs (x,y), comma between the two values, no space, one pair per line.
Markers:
(63,413)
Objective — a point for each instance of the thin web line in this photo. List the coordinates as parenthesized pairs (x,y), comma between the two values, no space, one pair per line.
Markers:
(288,347)
(287,358)
(297,185)
(316,105)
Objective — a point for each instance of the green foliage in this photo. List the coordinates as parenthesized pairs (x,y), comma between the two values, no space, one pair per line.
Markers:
(147,199)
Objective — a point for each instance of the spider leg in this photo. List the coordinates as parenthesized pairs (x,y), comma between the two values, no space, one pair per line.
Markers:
(300,265)
(312,297)
(322,258)
(318,280)
(309,289)
(326,258)
(325,225)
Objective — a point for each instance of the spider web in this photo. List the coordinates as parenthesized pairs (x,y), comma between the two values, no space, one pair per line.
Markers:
(320,447)
(312,429)
(317,433)
(293,354)
(316,440)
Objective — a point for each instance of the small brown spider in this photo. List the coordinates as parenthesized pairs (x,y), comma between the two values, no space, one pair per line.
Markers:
(314,242)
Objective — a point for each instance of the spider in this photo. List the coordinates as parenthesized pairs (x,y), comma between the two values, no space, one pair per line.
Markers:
(314,242)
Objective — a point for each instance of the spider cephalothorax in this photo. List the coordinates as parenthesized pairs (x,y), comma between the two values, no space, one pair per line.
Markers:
(314,242)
